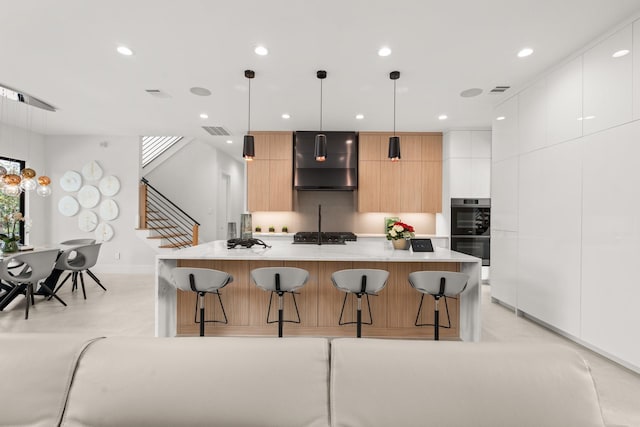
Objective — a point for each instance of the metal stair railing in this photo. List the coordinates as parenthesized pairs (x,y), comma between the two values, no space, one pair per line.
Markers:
(165,218)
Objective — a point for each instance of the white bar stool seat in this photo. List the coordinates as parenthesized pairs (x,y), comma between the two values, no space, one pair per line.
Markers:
(202,281)
(280,280)
(359,282)
(438,284)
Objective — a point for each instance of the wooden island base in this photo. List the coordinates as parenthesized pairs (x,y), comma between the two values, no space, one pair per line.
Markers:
(393,310)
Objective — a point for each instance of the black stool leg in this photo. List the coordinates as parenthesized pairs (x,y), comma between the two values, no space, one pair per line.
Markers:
(436,320)
(359,318)
(280,306)
(201,301)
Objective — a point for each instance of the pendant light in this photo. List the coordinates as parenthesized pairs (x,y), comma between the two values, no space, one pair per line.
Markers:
(394,141)
(248,147)
(320,147)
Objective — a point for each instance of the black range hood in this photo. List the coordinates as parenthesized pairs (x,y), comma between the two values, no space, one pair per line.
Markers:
(338,172)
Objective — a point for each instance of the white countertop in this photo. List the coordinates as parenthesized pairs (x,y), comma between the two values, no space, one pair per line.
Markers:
(370,249)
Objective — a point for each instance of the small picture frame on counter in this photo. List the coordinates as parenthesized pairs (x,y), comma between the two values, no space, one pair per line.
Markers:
(421,245)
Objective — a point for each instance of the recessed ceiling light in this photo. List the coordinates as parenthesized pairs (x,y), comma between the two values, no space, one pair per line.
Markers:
(620,53)
(261,50)
(384,51)
(286,116)
(229,141)
(500,118)
(359,116)
(123,50)
(443,117)
(525,52)
(204,116)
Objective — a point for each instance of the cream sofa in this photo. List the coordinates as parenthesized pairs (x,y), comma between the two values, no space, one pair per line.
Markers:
(70,380)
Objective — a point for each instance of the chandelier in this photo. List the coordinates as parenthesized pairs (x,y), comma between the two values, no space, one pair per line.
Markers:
(13,184)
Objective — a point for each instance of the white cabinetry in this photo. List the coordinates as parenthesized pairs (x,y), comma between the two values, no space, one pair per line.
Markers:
(532,118)
(607,92)
(505,130)
(504,266)
(468,155)
(564,103)
(504,195)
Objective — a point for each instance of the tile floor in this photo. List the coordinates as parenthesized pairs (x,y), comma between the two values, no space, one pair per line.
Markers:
(127,308)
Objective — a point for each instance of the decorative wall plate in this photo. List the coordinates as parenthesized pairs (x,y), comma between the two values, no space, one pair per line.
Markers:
(68,206)
(109,210)
(103,232)
(109,185)
(92,171)
(71,181)
(88,196)
(87,221)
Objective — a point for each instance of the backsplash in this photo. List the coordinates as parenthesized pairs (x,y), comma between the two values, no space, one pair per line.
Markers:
(339,213)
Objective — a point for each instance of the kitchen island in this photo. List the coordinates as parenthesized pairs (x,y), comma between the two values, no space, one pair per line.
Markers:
(393,310)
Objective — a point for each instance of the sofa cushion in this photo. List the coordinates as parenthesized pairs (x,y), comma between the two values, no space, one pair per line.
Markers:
(447,384)
(201,382)
(36,374)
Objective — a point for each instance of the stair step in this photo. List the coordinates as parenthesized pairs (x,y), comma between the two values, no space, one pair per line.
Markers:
(157,219)
(166,236)
(175,245)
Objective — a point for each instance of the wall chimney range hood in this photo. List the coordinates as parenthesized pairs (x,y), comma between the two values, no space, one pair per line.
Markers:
(340,170)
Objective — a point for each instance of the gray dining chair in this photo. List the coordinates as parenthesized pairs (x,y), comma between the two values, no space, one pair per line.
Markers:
(78,260)
(33,267)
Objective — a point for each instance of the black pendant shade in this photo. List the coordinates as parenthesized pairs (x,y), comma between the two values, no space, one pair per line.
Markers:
(248,148)
(320,148)
(394,148)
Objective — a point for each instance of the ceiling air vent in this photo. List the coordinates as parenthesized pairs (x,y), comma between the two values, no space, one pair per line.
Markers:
(157,93)
(216,130)
(499,89)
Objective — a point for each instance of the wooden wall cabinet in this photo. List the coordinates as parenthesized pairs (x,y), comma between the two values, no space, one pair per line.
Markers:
(414,184)
(270,174)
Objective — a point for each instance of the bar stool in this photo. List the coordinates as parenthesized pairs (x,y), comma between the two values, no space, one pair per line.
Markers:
(359,282)
(280,280)
(438,284)
(202,281)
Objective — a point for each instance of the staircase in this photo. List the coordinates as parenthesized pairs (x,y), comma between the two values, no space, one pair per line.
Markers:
(162,223)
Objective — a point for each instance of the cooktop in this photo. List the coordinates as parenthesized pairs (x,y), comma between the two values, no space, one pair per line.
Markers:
(326,237)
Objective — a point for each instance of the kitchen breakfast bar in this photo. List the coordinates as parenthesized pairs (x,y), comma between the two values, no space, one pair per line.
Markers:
(393,310)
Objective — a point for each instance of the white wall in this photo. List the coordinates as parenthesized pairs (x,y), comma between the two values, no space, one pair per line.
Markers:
(20,144)
(119,156)
(565,210)
(191,178)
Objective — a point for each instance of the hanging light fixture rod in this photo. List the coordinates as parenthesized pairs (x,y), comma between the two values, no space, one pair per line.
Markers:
(320,147)
(248,146)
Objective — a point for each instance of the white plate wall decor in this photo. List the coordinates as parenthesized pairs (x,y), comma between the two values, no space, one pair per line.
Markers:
(88,196)
(87,221)
(109,185)
(71,181)
(68,206)
(109,210)
(103,232)
(92,171)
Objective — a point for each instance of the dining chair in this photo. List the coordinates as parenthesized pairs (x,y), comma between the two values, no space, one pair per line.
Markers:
(34,267)
(78,260)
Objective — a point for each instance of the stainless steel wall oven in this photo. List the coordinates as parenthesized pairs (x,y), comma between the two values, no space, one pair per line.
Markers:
(471,227)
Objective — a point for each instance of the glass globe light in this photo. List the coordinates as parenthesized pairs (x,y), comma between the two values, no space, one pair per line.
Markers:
(44,180)
(28,184)
(12,190)
(43,190)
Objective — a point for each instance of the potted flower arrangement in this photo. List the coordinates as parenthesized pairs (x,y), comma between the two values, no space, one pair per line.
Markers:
(399,233)
(10,235)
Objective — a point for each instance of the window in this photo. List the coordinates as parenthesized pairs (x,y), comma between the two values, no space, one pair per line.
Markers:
(10,204)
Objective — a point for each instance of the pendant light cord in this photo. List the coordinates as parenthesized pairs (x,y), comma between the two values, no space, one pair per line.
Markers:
(321,105)
(394,108)
(249,116)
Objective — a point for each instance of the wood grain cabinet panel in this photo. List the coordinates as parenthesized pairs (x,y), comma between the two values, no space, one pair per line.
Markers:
(432,186)
(369,186)
(409,187)
(270,174)
(369,146)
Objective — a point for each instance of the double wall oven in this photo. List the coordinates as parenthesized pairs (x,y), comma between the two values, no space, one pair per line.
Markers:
(470,227)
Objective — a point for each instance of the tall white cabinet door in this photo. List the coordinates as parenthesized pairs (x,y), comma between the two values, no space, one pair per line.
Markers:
(636,70)
(549,228)
(503,272)
(504,142)
(608,98)
(564,103)
(532,117)
(504,195)
(611,242)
